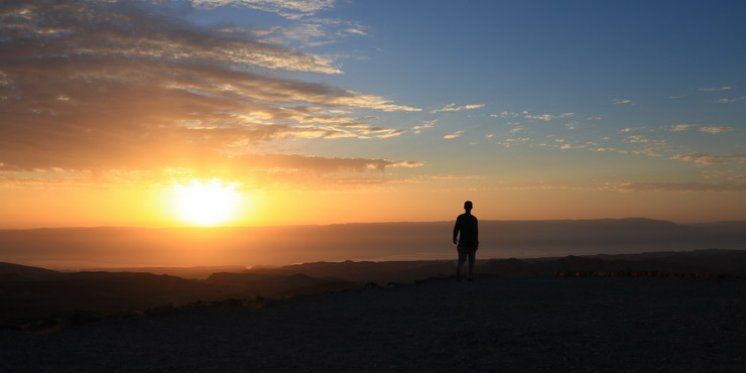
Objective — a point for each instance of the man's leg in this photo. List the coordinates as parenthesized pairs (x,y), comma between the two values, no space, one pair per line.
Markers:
(472,258)
(461,260)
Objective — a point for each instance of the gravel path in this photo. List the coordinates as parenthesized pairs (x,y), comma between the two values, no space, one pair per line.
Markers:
(577,324)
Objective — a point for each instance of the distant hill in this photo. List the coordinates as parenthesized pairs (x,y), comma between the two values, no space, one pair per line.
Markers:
(193,272)
(711,262)
(85,248)
(30,297)
(22,272)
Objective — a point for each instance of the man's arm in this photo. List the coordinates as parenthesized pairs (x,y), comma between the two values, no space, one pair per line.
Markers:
(476,230)
(456,229)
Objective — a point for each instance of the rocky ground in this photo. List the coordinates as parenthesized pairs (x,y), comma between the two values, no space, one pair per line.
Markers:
(496,324)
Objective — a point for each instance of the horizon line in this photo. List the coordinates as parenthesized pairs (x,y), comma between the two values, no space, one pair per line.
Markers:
(356,223)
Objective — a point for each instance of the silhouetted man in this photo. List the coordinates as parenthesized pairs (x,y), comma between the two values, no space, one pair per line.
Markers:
(466,235)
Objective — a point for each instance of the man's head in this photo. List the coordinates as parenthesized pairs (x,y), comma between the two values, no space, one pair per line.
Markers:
(468,206)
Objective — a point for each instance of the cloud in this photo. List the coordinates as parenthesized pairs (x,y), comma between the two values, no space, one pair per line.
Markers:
(631,129)
(356,99)
(505,115)
(715,129)
(682,127)
(543,117)
(711,129)
(637,139)
(132,30)
(621,101)
(716,89)
(342,130)
(730,100)
(706,159)
(307,34)
(319,164)
(609,150)
(103,85)
(358,30)
(388,133)
(425,124)
(250,169)
(4,80)
(453,135)
(515,141)
(407,164)
(312,32)
(452,108)
(681,187)
(291,9)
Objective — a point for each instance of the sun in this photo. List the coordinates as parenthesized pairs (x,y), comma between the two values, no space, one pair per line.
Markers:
(206,203)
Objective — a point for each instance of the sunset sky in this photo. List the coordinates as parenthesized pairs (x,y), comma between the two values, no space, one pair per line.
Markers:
(274,112)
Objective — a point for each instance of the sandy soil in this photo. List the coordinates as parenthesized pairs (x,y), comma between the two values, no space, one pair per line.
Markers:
(578,324)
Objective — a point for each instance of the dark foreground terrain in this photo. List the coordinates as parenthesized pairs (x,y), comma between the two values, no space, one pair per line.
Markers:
(505,324)
(34,299)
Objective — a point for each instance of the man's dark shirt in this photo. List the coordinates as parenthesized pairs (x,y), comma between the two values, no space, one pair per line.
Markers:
(467,225)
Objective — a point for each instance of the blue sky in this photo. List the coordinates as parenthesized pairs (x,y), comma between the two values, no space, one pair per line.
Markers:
(674,62)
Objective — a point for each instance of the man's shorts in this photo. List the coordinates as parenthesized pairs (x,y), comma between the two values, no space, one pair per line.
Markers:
(466,249)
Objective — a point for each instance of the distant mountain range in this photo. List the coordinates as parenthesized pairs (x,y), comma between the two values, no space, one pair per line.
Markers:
(87,248)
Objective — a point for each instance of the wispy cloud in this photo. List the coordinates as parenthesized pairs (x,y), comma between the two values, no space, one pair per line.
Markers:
(266,169)
(715,129)
(711,129)
(716,89)
(292,9)
(133,89)
(637,139)
(453,135)
(546,117)
(360,100)
(311,32)
(505,115)
(425,124)
(452,107)
(513,141)
(357,30)
(407,164)
(682,127)
(542,117)
(707,159)
(634,129)
(621,101)
(730,100)
(324,164)
(681,187)
(4,80)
